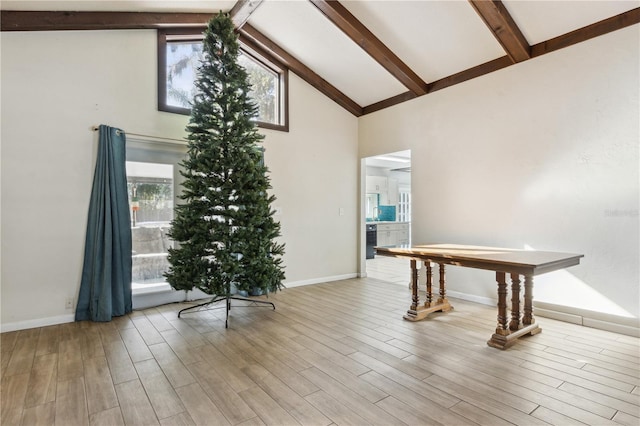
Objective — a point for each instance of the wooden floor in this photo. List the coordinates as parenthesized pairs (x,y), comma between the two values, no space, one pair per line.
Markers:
(391,269)
(335,353)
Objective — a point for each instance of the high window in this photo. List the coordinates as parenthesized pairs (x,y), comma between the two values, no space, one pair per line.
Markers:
(179,55)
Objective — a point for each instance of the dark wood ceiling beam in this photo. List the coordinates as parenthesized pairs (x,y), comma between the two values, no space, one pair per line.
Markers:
(443,83)
(605,26)
(14,20)
(471,73)
(249,34)
(386,103)
(496,16)
(360,34)
(242,10)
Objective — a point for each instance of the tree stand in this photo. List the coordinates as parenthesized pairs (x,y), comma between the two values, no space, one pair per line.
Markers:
(227,299)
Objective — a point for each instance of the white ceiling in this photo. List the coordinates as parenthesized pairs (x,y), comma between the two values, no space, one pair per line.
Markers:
(435,38)
(302,30)
(542,20)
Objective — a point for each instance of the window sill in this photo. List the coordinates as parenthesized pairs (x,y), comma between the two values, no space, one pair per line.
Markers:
(138,289)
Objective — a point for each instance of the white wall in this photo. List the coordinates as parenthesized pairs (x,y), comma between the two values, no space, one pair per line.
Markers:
(314,172)
(57,85)
(541,154)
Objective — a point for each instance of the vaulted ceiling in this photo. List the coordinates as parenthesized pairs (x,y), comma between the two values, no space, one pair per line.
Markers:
(368,54)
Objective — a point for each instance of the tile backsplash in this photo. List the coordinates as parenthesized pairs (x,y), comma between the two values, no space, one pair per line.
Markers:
(387,213)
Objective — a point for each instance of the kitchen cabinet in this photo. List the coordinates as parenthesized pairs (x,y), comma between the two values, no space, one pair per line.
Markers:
(386,187)
(393,234)
(392,192)
(384,236)
(376,184)
(402,235)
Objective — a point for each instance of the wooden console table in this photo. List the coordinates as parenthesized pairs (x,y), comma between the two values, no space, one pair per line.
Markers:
(503,261)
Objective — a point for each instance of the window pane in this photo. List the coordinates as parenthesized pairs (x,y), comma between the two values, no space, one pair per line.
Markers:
(183,60)
(264,88)
(150,187)
(404,206)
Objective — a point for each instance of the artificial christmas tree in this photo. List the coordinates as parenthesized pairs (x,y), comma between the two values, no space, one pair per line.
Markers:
(225,228)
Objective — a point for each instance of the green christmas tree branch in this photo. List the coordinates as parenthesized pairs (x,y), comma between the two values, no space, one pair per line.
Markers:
(224,228)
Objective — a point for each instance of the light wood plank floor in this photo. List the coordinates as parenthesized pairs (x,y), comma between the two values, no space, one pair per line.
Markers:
(334,353)
(390,269)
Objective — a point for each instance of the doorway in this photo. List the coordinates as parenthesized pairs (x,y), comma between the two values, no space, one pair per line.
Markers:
(386,213)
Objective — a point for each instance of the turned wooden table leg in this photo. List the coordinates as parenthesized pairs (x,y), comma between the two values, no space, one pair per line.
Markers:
(515,323)
(442,283)
(442,299)
(418,312)
(414,285)
(507,333)
(528,301)
(429,285)
(502,329)
(415,312)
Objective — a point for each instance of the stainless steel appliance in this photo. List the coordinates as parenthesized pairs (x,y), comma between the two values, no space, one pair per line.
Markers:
(372,239)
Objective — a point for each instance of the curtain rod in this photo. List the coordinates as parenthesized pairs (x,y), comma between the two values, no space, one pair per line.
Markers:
(119,132)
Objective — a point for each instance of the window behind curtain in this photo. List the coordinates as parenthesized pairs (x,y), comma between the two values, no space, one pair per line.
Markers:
(153,184)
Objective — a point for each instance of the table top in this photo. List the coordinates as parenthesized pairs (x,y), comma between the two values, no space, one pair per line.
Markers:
(530,262)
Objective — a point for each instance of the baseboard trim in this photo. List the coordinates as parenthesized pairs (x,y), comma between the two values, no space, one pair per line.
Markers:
(556,315)
(602,321)
(472,298)
(39,322)
(320,280)
(616,324)
(609,326)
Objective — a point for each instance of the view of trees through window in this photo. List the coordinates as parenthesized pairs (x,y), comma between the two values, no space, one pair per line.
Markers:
(183,59)
(154,199)
(264,88)
(151,201)
(182,62)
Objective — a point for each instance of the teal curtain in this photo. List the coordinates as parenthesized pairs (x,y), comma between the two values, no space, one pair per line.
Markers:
(105,289)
